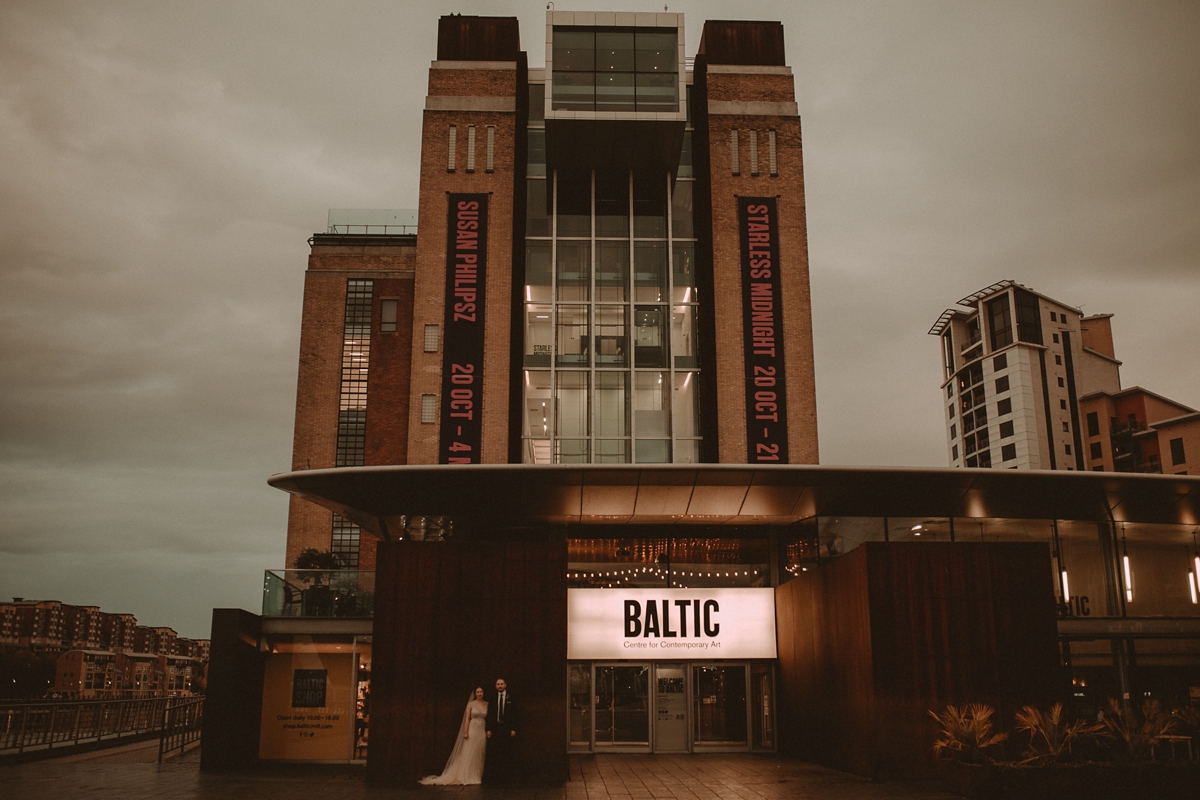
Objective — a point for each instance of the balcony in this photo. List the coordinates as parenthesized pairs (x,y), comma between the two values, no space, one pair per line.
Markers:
(307,593)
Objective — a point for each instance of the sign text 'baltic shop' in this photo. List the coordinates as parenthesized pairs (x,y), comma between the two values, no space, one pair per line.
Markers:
(762,332)
(462,351)
(670,623)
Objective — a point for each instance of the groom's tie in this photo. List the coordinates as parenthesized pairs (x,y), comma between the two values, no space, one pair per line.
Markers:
(500,717)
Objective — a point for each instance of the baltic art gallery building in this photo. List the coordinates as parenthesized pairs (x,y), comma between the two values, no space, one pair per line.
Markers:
(567,436)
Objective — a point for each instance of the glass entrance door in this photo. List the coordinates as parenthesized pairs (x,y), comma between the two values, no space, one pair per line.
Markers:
(719,710)
(623,707)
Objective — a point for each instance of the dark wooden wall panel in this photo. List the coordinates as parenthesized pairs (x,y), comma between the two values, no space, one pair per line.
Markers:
(451,616)
(873,640)
(233,708)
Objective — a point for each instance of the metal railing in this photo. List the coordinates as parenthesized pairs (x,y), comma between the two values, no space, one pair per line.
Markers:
(31,727)
(182,724)
(318,593)
(374,230)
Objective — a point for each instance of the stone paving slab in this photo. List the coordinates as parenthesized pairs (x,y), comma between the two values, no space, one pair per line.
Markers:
(600,777)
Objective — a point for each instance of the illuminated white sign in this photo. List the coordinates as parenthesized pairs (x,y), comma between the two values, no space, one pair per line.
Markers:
(664,624)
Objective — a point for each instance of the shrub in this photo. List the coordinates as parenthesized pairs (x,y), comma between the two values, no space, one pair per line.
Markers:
(1050,738)
(966,733)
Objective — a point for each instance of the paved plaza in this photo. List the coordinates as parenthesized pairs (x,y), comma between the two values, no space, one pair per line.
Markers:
(130,773)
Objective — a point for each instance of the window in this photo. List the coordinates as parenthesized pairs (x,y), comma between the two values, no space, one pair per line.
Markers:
(1060,382)
(999,322)
(1008,452)
(1053,317)
(985,459)
(773,161)
(1066,427)
(431,338)
(1093,424)
(754,154)
(1029,319)
(734,164)
(1177,454)
(470,148)
(953,432)
(1097,450)
(1000,362)
(951,411)
(1002,384)
(428,408)
(1062,404)
(950,391)
(356,357)
(1068,451)
(615,69)
(954,452)
(490,163)
(1058,360)
(1006,430)
(1056,338)
(453,145)
(387,315)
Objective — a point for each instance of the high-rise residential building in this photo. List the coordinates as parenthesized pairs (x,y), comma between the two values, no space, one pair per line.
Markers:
(1015,365)
(1032,383)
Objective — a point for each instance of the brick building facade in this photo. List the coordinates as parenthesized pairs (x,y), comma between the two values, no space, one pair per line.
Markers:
(613,323)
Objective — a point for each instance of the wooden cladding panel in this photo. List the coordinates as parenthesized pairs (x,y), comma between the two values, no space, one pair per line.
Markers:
(450,616)
(872,641)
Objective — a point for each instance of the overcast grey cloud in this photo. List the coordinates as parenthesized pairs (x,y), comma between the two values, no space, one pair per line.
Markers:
(163,165)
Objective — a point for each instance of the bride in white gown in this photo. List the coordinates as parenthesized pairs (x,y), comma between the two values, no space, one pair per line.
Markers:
(465,764)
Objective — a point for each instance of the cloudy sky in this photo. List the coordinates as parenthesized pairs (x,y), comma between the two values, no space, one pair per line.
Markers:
(163,164)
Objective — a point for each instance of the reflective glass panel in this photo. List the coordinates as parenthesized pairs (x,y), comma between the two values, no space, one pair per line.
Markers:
(537,271)
(651,406)
(649,341)
(574,270)
(612,337)
(537,208)
(650,271)
(539,336)
(681,210)
(579,681)
(719,694)
(572,341)
(686,405)
(622,706)
(683,337)
(572,393)
(612,271)
(612,404)
(649,204)
(615,91)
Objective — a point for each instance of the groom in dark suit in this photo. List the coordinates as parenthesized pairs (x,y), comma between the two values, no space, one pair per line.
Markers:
(501,733)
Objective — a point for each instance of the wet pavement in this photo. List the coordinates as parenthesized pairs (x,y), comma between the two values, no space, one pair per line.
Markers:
(131,773)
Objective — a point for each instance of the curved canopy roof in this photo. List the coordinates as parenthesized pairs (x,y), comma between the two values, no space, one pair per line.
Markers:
(520,496)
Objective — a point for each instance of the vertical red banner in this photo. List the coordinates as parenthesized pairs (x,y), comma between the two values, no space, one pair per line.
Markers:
(762,332)
(462,342)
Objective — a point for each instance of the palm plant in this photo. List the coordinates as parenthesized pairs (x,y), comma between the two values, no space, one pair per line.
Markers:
(1050,738)
(966,733)
(1137,734)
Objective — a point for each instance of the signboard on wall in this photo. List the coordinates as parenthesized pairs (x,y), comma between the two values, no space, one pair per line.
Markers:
(308,706)
(462,350)
(762,332)
(665,624)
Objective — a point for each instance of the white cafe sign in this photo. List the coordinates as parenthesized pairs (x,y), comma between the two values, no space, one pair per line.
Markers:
(663,624)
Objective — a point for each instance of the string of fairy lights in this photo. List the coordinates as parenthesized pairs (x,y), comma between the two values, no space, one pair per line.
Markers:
(613,578)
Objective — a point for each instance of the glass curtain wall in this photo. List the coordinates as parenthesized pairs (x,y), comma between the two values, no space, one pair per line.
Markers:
(610,351)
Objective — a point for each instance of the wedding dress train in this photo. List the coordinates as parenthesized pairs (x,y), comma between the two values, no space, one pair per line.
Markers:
(465,765)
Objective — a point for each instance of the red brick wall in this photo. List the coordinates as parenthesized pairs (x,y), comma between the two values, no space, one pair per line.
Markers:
(429,291)
(318,382)
(763,85)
